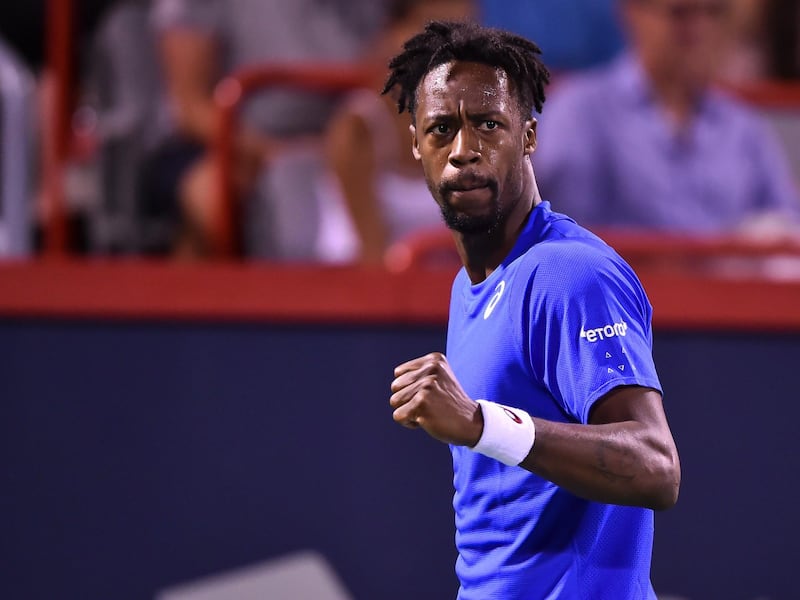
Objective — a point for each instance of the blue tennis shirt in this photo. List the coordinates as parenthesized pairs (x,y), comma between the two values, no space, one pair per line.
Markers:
(561,322)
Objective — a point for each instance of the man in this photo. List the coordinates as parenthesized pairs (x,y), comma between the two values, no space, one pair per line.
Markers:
(647,142)
(201,41)
(548,395)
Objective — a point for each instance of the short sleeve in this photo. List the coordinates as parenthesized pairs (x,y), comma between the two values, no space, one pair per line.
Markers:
(589,326)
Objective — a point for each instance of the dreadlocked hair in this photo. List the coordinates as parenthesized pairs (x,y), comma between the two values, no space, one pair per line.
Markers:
(441,42)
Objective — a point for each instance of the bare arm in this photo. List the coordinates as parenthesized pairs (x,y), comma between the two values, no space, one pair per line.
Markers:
(189,62)
(191,69)
(626,455)
(350,153)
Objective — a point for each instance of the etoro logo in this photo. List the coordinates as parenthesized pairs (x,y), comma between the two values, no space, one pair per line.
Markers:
(606,331)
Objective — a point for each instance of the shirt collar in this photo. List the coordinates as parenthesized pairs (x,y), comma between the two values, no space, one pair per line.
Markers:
(531,232)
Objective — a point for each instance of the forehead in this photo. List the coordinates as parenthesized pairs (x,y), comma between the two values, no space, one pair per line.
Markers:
(477,86)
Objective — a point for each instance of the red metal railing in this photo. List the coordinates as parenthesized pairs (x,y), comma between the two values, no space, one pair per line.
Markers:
(56,129)
(663,251)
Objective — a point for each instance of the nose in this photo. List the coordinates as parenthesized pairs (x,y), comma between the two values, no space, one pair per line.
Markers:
(465,149)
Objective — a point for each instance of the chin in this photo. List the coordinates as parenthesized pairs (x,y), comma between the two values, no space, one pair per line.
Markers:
(472,224)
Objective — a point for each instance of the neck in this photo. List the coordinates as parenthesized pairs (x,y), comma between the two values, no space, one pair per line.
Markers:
(678,95)
(482,253)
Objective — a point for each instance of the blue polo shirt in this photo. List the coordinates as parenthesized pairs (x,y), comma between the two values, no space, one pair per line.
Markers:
(560,323)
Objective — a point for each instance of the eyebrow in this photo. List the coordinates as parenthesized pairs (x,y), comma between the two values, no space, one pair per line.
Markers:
(489,115)
(477,116)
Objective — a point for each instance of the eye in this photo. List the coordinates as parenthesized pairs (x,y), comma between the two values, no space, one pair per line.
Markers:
(490,125)
(441,129)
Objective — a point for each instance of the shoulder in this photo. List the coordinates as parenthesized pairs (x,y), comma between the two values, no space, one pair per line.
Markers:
(572,265)
(569,259)
(731,109)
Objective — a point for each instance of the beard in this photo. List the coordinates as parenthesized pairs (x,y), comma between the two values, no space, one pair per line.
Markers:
(484,224)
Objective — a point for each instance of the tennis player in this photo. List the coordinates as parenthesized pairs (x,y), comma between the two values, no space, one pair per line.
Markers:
(548,395)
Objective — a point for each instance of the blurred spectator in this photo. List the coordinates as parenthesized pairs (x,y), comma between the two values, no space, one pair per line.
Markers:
(17,93)
(646,142)
(23,26)
(114,126)
(202,40)
(766,41)
(573,34)
(747,59)
(375,193)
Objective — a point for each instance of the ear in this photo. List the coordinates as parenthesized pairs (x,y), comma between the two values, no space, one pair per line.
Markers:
(414,142)
(530,136)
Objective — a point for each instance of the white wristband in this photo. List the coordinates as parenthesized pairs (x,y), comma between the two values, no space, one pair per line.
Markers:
(508,433)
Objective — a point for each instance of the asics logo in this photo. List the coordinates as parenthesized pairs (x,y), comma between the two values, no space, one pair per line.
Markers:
(498,293)
(606,331)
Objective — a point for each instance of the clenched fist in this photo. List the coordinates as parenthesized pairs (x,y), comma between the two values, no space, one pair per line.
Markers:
(426,394)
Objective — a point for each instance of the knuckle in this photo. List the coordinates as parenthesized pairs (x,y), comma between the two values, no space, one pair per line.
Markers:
(427,384)
(437,358)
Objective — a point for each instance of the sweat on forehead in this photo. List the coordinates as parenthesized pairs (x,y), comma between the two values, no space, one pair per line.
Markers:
(488,80)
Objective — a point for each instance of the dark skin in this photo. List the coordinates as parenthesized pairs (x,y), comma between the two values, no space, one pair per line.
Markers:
(470,135)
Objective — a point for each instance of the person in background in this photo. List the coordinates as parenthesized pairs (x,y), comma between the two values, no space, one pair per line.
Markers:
(648,142)
(18,166)
(747,57)
(199,42)
(374,193)
(766,42)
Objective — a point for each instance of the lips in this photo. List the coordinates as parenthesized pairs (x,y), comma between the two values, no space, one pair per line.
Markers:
(469,188)
(468,182)
(465,197)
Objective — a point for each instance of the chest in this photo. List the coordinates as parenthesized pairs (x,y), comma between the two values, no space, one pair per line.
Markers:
(487,349)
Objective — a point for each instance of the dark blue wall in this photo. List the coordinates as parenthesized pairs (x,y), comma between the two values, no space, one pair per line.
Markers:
(138,455)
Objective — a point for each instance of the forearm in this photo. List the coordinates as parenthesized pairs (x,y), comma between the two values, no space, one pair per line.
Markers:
(615,463)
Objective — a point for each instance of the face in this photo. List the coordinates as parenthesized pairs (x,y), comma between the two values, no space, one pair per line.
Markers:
(680,38)
(474,145)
